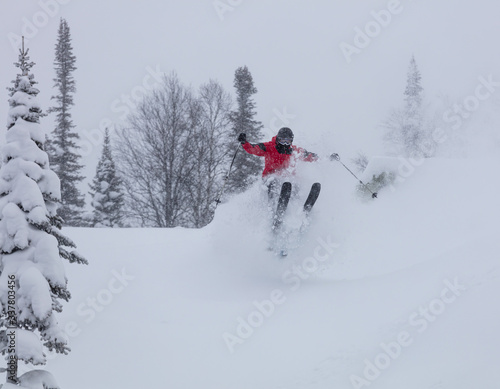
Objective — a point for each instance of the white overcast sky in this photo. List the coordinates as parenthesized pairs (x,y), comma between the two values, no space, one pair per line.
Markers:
(292,48)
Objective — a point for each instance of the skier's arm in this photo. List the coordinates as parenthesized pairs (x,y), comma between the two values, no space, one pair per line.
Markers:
(305,155)
(257,149)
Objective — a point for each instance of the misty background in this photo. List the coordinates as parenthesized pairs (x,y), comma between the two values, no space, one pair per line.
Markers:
(292,48)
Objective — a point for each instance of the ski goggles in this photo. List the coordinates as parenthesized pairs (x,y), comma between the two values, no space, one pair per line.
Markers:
(284,141)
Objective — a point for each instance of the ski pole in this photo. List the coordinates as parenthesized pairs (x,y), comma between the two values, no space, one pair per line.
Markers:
(337,158)
(218,201)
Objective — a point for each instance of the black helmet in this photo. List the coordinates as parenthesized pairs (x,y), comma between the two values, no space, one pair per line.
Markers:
(285,136)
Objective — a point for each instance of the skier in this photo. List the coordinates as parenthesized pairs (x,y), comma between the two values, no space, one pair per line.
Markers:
(279,154)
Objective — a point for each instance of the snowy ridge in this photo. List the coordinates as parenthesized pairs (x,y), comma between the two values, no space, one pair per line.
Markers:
(391,293)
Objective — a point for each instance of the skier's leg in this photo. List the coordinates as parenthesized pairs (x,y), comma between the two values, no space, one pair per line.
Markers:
(272,189)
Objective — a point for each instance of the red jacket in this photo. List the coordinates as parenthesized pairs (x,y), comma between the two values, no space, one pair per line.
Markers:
(275,161)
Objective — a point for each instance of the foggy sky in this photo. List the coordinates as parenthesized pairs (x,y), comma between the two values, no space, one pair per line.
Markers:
(332,101)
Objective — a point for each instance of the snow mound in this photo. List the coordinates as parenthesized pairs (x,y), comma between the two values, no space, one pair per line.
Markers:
(382,291)
(38,379)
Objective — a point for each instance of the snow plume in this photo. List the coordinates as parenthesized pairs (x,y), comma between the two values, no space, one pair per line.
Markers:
(32,275)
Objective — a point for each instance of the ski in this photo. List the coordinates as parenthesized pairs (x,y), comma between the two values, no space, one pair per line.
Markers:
(313,196)
(279,238)
(282,236)
(286,191)
(311,200)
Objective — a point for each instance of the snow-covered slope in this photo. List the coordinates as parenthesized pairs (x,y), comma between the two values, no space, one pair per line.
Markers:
(399,292)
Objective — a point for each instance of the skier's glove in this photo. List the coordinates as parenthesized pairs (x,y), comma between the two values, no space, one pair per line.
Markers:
(242,138)
(335,157)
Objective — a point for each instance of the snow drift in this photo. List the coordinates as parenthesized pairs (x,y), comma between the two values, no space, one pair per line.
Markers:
(397,292)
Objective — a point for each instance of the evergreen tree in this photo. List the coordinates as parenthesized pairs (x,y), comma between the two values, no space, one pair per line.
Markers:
(407,128)
(246,167)
(413,126)
(32,275)
(65,158)
(29,110)
(107,195)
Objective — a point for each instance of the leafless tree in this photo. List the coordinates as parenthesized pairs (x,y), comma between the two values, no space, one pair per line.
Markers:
(155,155)
(171,154)
(213,131)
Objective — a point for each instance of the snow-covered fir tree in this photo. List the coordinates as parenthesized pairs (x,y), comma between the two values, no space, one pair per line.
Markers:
(106,190)
(413,128)
(407,126)
(65,158)
(32,275)
(246,167)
